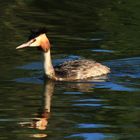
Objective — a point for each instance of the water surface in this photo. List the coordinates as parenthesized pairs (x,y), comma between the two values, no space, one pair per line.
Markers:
(107,31)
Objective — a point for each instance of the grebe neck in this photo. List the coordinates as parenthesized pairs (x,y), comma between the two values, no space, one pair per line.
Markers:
(48,67)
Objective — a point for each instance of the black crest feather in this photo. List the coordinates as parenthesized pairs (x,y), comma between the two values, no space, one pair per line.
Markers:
(36,32)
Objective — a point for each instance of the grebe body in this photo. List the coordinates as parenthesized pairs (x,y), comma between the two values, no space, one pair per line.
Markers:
(80,69)
(68,71)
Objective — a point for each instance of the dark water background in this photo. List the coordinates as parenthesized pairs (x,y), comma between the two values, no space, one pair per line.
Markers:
(105,30)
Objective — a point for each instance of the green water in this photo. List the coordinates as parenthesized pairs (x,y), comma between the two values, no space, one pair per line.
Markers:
(107,31)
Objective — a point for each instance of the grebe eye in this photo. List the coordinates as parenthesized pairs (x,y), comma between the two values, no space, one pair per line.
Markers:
(34,40)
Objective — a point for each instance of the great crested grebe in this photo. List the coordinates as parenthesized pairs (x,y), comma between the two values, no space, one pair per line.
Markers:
(68,71)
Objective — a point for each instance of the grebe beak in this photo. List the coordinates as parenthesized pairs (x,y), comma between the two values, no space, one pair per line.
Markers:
(27,44)
(41,41)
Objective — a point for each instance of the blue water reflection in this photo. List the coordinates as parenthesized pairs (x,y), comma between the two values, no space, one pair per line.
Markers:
(91,136)
(86,125)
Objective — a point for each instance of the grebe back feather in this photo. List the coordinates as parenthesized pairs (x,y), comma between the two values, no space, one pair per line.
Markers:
(80,69)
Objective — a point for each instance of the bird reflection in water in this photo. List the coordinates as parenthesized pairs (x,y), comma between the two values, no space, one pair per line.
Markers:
(40,122)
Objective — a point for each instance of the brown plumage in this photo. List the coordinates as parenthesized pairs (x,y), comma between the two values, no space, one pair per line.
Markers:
(80,69)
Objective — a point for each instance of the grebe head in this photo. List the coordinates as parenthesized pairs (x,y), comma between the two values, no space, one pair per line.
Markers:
(37,39)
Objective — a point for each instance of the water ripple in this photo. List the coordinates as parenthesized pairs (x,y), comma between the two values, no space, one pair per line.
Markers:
(115,87)
(86,125)
(88,105)
(91,136)
(103,51)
